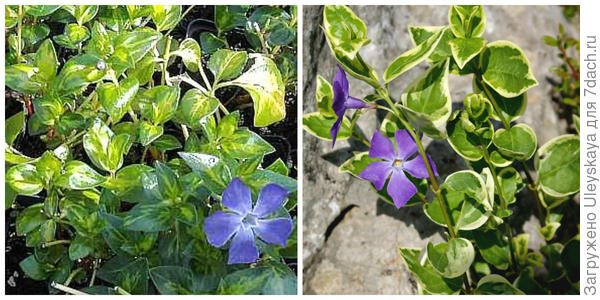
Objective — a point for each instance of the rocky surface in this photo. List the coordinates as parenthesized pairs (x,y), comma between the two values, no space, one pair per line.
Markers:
(350,238)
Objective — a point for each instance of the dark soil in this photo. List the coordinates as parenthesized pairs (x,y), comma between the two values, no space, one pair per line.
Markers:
(282,135)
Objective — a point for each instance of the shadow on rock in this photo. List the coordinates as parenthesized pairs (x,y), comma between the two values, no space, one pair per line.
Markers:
(412,215)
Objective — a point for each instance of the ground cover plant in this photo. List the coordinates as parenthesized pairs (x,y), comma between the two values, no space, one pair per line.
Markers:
(150,149)
(484,252)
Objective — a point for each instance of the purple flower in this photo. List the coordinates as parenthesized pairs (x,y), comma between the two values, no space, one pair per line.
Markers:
(400,188)
(241,223)
(342,101)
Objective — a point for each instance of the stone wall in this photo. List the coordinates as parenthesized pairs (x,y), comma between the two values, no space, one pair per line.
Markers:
(350,238)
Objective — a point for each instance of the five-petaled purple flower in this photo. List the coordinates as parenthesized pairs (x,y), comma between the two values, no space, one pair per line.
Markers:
(342,101)
(400,188)
(241,222)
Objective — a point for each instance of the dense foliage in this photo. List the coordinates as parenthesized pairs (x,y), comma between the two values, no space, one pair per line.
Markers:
(141,148)
(483,253)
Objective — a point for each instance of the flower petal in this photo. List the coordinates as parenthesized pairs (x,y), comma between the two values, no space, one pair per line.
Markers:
(433,167)
(220,227)
(242,249)
(335,129)
(274,231)
(270,199)
(340,92)
(406,144)
(237,197)
(416,167)
(382,147)
(400,188)
(377,172)
(353,103)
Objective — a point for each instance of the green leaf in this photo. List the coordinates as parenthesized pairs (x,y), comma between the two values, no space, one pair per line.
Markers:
(24,179)
(167,142)
(420,35)
(570,259)
(175,280)
(127,178)
(495,284)
(425,123)
(168,184)
(506,69)
(82,13)
(30,219)
(46,62)
(273,279)
(48,109)
(80,247)
(40,10)
(211,43)
(278,167)
(244,143)
(518,142)
(196,105)
(129,274)
(19,78)
(555,268)
(148,217)
(159,103)
(463,49)
(79,176)
(227,64)
(80,71)
(451,259)
(467,21)
(143,70)
(324,94)
(429,95)
(190,54)
(131,46)
(263,82)
(73,35)
(346,32)
(148,133)
(511,184)
(229,124)
(412,57)
(318,125)
(466,143)
(465,194)
(227,17)
(33,268)
(105,149)
(521,247)
(548,231)
(526,283)
(48,166)
(356,164)
(430,280)
(166,17)
(13,126)
(493,248)
(510,108)
(557,165)
(116,99)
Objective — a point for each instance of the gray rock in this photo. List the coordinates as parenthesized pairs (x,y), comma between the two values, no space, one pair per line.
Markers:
(359,255)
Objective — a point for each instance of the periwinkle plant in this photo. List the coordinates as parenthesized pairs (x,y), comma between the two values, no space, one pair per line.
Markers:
(140,148)
(482,254)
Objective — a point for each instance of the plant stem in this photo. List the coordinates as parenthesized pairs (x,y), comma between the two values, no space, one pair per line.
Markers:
(144,155)
(385,95)
(94,272)
(72,275)
(121,291)
(19,37)
(503,204)
(488,93)
(164,76)
(66,289)
(355,133)
(422,198)
(533,187)
(57,242)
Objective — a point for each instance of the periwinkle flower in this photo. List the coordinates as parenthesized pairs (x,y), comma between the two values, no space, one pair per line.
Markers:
(343,101)
(396,161)
(242,223)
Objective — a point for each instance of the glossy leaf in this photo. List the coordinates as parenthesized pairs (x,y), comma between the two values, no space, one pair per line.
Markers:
(148,133)
(263,82)
(159,103)
(467,21)
(190,53)
(244,143)
(557,165)
(80,71)
(196,105)
(519,142)
(227,64)
(420,34)
(346,32)
(40,10)
(30,219)
(165,17)
(148,217)
(318,125)
(451,259)
(13,126)
(506,69)
(463,50)
(493,248)
(324,94)
(495,284)
(430,280)
(116,99)
(79,176)
(412,57)
(175,280)
(82,13)
(466,143)
(24,179)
